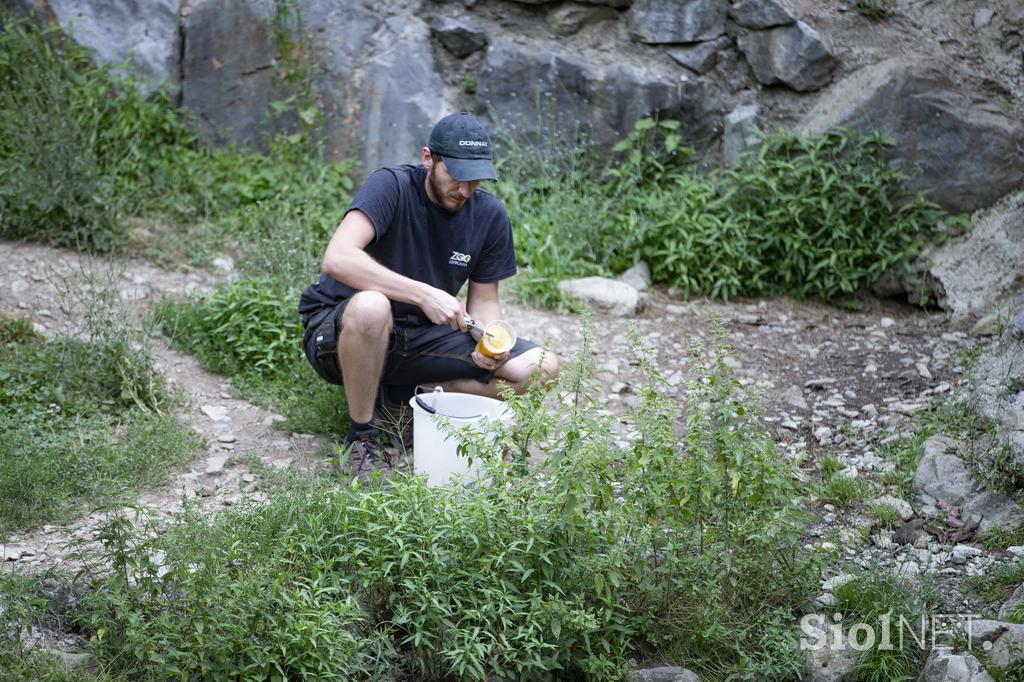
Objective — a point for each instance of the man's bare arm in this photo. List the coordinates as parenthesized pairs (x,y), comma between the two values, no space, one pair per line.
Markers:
(347,261)
(482,302)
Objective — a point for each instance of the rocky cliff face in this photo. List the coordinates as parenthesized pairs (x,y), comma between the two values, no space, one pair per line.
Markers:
(385,70)
(944,78)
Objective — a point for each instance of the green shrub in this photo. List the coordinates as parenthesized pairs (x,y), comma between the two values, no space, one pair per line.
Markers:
(75,141)
(805,216)
(686,544)
(248,325)
(81,150)
(28,603)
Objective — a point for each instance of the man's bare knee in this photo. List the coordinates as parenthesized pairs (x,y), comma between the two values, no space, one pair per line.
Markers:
(533,366)
(368,313)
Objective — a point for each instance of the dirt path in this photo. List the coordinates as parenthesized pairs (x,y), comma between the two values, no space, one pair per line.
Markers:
(834,381)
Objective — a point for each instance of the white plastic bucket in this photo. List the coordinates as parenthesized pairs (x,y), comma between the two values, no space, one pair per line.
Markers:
(435,454)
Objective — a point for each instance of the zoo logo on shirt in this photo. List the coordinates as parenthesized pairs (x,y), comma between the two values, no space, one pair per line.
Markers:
(460,259)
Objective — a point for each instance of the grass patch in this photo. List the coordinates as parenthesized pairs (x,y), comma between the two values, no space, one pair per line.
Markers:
(995,586)
(830,465)
(844,491)
(81,421)
(1000,538)
(887,515)
(881,600)
(876,9)
(683,544)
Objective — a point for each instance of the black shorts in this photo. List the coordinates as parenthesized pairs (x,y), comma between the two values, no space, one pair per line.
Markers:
(417,353)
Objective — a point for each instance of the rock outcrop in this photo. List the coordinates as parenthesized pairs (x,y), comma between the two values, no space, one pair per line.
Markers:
(144,35)
(796,55)
(971,274)
(530,92)
(963,148)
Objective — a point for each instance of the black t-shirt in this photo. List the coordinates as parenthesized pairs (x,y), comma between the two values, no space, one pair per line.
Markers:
(424,241)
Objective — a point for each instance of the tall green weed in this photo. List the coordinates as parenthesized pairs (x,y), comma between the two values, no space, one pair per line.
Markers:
(686,543)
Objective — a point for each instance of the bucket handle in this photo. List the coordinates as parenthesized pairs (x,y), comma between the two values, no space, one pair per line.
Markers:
(432,410)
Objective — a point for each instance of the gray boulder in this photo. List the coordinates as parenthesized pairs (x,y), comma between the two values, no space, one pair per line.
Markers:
(795,55)
(144,34)
(461,36)
(941,475)
(831,661)
(702,57)
(968,275)
(945,666)
(1004,642)
(759,14)
(663,674)
(579,96)
(677,21)
(963,147)
(993,511)
(1010,604)
(374,75)
(997,393)
(568,18)
(606,3)
(605,295)
(740,133)
(227,81)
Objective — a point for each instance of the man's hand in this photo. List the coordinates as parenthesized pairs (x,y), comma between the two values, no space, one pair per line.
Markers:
(443,308)
(492,364)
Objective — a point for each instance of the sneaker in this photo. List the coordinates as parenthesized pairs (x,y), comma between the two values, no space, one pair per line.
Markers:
(366,455)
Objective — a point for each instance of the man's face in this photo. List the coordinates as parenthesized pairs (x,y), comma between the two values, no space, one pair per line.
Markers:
(446,191)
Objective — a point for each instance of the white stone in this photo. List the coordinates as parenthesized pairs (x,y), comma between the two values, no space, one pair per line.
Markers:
(226,438)
(217,413)
(638,276)
(902,507)
(215,465)
(606,295)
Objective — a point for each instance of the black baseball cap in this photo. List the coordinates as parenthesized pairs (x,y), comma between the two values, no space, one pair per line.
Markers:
(464,145)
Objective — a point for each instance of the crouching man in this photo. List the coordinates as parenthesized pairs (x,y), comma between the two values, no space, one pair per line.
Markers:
(384,317)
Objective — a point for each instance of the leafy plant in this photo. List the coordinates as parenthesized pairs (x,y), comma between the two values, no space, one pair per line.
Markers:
(250,330)
(683,543)
(804,216)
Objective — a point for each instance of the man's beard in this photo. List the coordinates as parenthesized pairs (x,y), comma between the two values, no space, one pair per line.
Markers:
(440,196)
